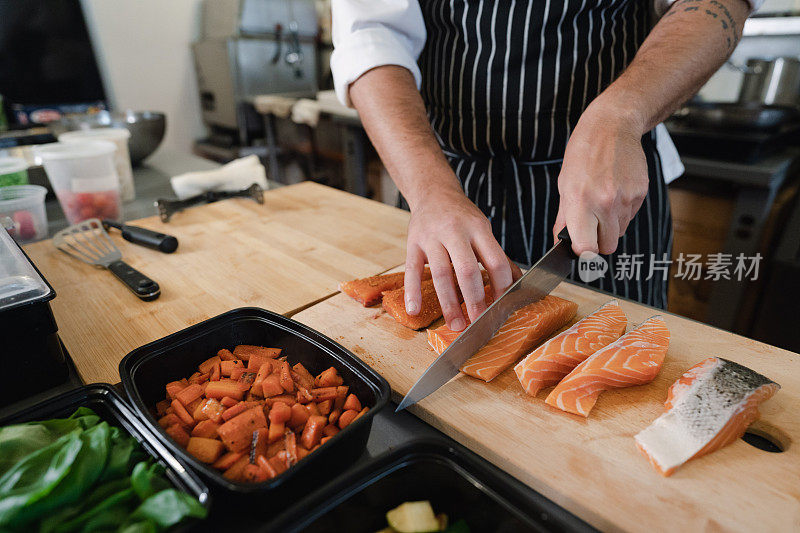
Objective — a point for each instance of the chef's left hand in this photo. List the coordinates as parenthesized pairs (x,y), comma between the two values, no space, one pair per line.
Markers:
(603,179)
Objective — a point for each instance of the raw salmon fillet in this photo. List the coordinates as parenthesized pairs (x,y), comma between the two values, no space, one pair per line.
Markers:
(521,332)
(394,305)
(633,359)
(368,291)
(709,407)
(547,364)
(441,337)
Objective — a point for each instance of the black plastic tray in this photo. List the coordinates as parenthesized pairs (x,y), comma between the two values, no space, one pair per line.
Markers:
(146,370)
(104,400)
(455,481)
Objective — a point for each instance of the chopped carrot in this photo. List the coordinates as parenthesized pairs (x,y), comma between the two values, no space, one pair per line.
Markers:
(178,434)
(286,377)
(170,419)
(266,466)
(301,452)
(189,394)
(213,409)
(313,409)
(325,407)
(244,351)
(299,416)
(271,386)
(279,462)
(341,397)
(325,439)
(303,395)
(330,430)
(173,388)
(237,409)
(334,416)
(304,377)
(204,449)
(313,431)
(234,473)
(227,401)
(227,460)
(290,442)
(346,418)
(328,378)
(206,429)
(276,430)
(226,367)
(208,364)
(221,389)
(225,355)
(216,372)
(352,403)
(192,406)
(182,413)
(237,432)
(236,373)
(361,413)
(280,413)
(324,393)
(257,360)
(161,407)
(253,474)
(288,399)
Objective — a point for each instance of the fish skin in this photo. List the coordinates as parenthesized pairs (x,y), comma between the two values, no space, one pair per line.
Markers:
(549,363)
(369,291)
(708,407)
(525,328)
(639,353)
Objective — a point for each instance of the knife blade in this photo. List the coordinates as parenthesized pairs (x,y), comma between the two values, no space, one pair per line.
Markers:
(534,285)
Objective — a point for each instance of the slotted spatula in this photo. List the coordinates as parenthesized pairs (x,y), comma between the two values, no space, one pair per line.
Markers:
(89,242)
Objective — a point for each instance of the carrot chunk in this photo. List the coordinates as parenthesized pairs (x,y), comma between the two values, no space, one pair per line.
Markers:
(346,418)
(225,355)
(271,386)
(324,393)
(237,432)
(234,473)
(299,416)
(227,460)
(206,429)
(285,375)
(226,367)
(328,378)
(221,389)
(280,413)
(237,409)
(208,364)
(204,449)
(178,434)
(173,388)
(325,407)
(313,431)
(182,413)
(352,403)
(189,394)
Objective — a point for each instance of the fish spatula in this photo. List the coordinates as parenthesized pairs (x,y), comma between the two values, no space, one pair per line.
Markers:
(89,242)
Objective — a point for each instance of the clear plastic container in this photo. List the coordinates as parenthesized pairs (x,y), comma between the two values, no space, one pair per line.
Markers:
(84,178)
(13,171)
(24,204)
(122,157)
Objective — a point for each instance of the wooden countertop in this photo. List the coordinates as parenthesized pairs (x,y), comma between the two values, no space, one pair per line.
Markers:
(592,466)
(282,256)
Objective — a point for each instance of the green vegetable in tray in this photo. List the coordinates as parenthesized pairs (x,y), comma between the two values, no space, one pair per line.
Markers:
(418,517)
(82,474)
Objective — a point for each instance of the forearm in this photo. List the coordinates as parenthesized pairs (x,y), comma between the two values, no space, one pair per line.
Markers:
(685,48)
(393,114)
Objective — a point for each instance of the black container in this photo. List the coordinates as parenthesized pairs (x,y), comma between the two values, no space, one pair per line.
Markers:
(104,400)
(146,370)
(30,351)
(454,480)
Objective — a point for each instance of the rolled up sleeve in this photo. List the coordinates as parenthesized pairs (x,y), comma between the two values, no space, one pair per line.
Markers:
(372,33)
(662,6)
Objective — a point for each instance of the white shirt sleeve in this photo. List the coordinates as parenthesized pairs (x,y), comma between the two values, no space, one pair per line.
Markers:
(371,33)
(663,5)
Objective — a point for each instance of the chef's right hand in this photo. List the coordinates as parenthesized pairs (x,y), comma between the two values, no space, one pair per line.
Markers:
(447,228)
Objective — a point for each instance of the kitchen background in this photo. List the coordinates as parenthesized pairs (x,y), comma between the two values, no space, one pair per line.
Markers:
(225,79)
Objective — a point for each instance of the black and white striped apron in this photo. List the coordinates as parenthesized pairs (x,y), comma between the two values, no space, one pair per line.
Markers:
(504,83)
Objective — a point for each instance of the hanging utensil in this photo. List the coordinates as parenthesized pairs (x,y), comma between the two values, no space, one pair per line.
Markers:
(167,208)
(89,242)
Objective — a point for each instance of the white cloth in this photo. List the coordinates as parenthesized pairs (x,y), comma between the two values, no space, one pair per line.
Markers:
(235,176)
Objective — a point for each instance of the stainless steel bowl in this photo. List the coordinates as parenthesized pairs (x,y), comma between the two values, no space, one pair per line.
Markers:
(147,128)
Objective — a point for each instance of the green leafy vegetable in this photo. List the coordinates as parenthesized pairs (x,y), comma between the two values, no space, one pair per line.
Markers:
(81,474)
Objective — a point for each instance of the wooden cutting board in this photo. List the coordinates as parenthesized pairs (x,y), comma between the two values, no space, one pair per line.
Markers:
(283,255)
(592,466)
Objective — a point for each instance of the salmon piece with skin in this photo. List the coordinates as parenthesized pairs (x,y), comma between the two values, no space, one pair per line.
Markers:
(633,359)
(525,328)
(549,363)
(708,407)
(369,291)
(440,338)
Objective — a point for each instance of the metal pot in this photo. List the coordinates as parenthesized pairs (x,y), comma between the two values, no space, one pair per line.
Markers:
(771,82)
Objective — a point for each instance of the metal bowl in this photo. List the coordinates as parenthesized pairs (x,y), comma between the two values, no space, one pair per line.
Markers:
(147,128)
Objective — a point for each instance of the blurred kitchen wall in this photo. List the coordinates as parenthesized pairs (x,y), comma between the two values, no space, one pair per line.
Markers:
(144,55)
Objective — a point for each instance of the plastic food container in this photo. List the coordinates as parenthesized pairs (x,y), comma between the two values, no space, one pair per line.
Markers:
(122,157)
(13,171)
(146,370)
(107,403)
(24,204)
(84,178)
(454,480)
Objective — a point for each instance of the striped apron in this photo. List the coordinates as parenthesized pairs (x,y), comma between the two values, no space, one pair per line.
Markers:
(504,83)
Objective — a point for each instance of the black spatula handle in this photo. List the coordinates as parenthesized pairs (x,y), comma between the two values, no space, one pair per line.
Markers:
(142,286)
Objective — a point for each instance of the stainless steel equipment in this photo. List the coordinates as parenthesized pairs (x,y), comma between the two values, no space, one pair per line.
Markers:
(88,241)
(773,82)
(147,128)
(537,283)
(252,47)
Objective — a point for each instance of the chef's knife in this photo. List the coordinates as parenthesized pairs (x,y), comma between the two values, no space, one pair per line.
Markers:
(537,283)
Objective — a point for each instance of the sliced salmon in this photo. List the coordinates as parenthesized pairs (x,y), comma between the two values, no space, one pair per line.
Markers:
(523,329)
(547,364)
(633,359)
(368,291)
(394,305)
(709,407)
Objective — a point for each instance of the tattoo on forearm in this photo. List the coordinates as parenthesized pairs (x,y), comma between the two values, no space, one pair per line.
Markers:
(713,9)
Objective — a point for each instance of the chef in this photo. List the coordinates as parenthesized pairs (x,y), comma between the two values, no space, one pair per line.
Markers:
(502,122)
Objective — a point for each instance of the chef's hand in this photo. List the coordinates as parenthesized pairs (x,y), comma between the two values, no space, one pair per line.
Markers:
(447,228)
(603,179)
